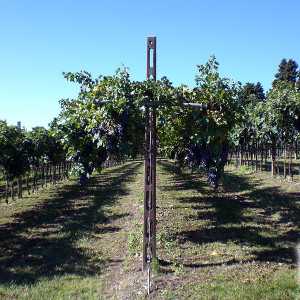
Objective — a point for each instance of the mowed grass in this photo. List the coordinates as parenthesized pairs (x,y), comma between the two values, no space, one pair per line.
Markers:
(237,242)
(49,243)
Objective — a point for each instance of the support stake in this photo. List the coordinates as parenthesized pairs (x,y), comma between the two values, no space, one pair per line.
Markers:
(149,228)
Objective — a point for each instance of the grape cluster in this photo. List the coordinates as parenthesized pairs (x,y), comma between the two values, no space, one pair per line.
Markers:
(196,156)
(120,132)
(224,156)
(84,153)
(193,156)
(95,130)
(206,156)
(88,153)
(91,163)
(75,135)
(121,128)
(74,158)
(102,130)
(112,144)
(213,177)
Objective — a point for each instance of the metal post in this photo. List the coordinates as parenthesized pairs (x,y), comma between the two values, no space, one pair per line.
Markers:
(151,63)
(149,229)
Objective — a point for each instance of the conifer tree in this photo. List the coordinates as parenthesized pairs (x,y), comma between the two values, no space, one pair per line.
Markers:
(287,72)
(251,89)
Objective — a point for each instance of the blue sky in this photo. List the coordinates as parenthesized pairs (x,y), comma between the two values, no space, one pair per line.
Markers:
(41,39)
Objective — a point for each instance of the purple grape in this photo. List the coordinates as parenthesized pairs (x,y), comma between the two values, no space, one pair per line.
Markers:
(74,158)
(103,131)
(120,132)
(193,156)
(213,178)
(206,156)
(112,145)
(224,156)
(95,130)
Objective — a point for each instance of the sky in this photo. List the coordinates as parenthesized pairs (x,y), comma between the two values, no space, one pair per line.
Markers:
(41,39)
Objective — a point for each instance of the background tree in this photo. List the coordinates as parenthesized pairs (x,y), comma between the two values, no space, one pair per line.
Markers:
(287,72)
(14,156)
(251,89)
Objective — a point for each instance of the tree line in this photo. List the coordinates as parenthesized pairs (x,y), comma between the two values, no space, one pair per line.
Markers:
(31,156)
(268,124)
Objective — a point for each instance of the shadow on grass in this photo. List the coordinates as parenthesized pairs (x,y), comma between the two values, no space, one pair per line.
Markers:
(246,213)
(180,181)
(41,242)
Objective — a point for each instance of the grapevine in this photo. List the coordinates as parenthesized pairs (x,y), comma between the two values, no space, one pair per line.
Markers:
(113,125)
